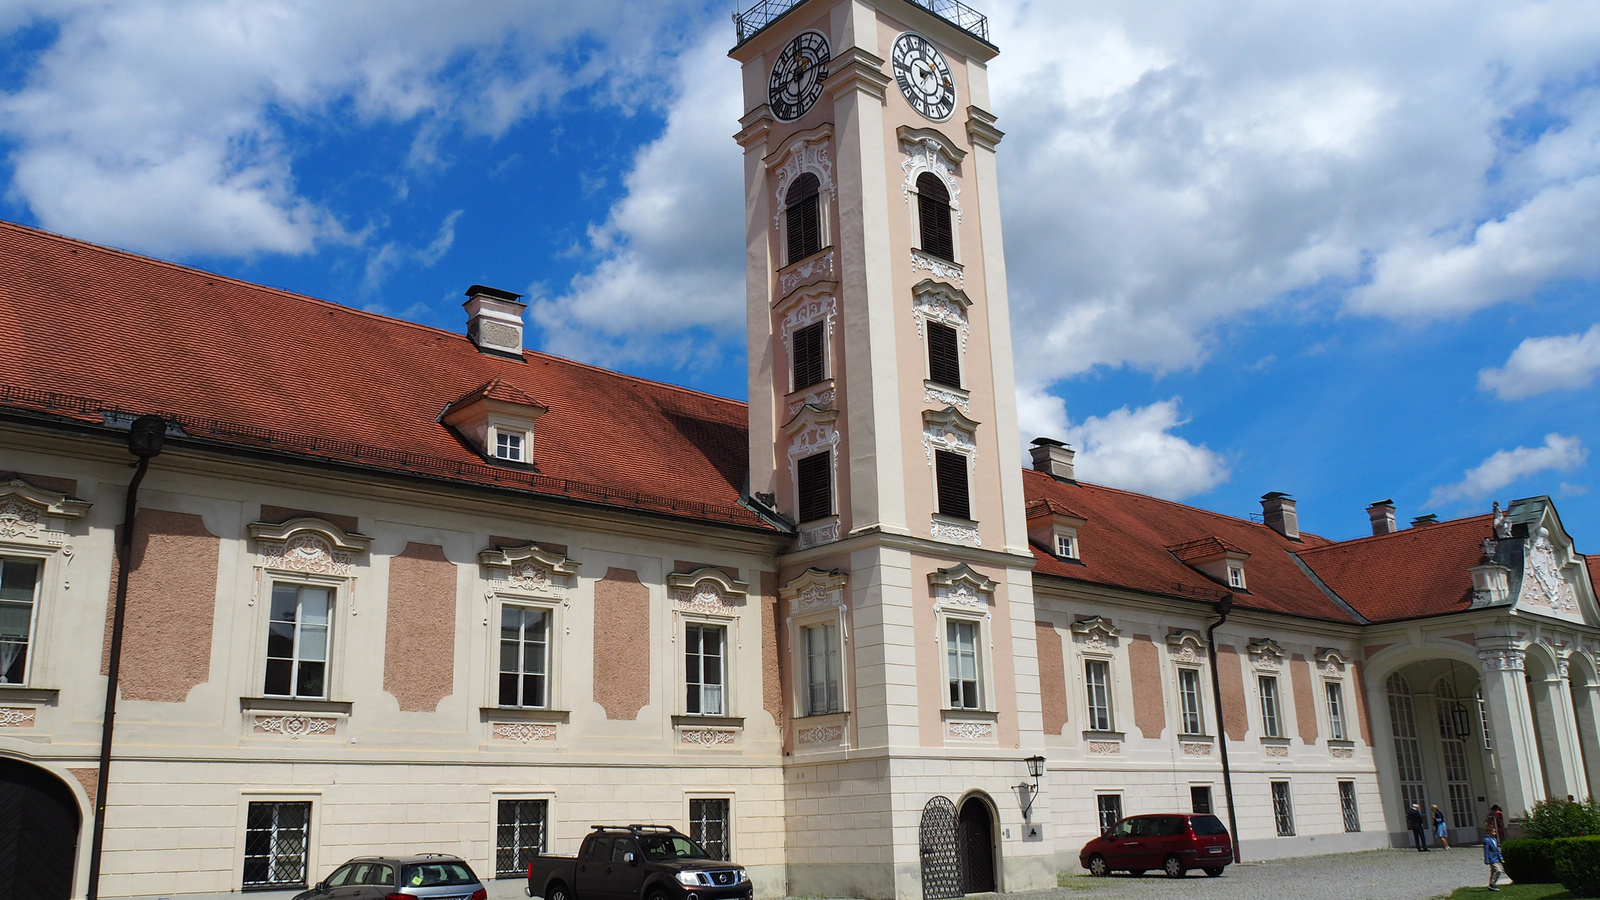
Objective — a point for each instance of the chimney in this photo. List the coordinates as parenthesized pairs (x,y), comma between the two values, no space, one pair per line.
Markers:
(494,320)
(1277,510)
(1382,515)
(1053,458)
(1425,521)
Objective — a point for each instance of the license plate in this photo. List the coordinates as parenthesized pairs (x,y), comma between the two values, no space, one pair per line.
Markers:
(1213,849)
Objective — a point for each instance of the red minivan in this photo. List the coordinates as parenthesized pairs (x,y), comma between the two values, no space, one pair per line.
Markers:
(1173,843)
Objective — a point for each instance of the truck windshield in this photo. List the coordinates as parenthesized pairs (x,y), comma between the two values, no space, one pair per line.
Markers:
(675,846)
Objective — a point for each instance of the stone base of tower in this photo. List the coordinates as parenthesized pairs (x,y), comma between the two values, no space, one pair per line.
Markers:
(858,825)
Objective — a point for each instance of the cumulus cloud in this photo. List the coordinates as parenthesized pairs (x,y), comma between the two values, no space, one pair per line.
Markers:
(1561,362)
(1133,449)
(1505,467)
(391,255)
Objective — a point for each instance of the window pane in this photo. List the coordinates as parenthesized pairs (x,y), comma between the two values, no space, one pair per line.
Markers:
(314,604)
(279,677)
(18,578)
(285,602)
(314,643)
(310,681)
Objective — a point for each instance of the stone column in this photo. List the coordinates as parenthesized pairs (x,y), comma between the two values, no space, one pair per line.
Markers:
(1511,729)
(1585,705)
(1562,756)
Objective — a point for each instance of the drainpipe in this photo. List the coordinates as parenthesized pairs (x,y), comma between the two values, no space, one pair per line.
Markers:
(1224,606)
(144,441)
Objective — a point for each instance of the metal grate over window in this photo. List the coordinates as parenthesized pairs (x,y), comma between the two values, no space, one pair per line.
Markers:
(276,837)
(708,825)
(519,835)
(1347,805)
(1282,809)
(1109,808)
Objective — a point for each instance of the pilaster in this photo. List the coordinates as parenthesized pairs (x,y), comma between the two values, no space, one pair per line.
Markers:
(1511,727)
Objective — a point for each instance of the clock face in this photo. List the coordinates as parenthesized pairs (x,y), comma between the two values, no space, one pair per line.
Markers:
(797,76)
(924,76)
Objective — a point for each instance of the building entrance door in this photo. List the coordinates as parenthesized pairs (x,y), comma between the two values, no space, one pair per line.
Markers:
(39,822)
(975,837)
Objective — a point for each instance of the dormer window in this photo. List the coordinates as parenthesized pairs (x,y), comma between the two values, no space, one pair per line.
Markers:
(1236,576)
(1214,558)
(1054,528)
(508,445)
(1066,545)
(497,419)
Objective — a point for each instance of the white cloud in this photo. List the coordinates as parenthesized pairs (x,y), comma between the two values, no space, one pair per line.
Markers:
(1133,449)
(1541,364)
(392,255)
(1504,467)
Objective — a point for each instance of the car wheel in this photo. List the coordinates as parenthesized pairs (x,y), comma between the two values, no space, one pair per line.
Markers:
(1098,867)
(1173,867)
(556,892)
(658,895)
(1214,871)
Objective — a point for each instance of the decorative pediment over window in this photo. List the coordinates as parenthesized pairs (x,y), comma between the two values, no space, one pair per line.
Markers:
(939,301)
(529,570)
(1096,634)
(33,514)
(807,152)
(1186,646)
(812,431)
(814,303)
(815,589)
(961,585)
(948,429)
(309,545)
(1265,653)
(927,150)
(1330,662)
(707,590)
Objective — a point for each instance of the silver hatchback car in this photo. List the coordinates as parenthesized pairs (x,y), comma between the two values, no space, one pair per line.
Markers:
(426,876)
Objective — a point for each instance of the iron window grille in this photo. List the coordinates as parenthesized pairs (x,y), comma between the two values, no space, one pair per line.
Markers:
(524,656)
(1109,808)
(1347,805)
(1282,809)
(519,835)
(276,838)
(708,825)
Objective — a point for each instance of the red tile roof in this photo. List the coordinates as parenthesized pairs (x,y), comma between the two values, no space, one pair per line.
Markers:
(495,389)
(1406,574)
(1205,548)
(101,328)
(1046,506)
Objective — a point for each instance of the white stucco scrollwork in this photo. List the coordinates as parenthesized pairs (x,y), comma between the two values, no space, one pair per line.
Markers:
(1196,749)
(296,727)
(1277,750)
(813,268)
(1105,748)
(1502,660)
(957,399)
(938,268)
(707,737)
(809,307)
(18,519)
(1555,590)
(936,301)
(822,734)
(950,531)
(707,590)
(1342,753)
(926,153)
(17,717)
(523,732)
(822,534)
(812,431)
(949,429)
(307,552)
(970,731)
(805,154)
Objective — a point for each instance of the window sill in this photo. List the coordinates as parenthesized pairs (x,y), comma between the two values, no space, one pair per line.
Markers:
(1275,740)
(690,720)
(818,531)
(523,714)
(1104,735)
(970,715)
(295,705)
(1197,737)
(948,394)
(822,718)
(1340,742)
(814,393)
(21,693)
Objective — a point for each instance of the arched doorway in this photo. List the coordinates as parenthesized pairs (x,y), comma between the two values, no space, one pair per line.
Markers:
(39,822)
(975,841)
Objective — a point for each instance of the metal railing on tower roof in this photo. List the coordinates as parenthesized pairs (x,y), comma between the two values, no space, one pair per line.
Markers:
(762,13)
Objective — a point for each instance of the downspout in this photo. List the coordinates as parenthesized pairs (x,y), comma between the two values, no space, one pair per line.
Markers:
(1224,606)
(144,441)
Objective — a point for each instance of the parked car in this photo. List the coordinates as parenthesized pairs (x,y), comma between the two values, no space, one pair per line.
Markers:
(1173,843)
(427,876)
(637,862)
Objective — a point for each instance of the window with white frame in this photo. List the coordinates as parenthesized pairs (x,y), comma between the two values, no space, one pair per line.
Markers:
(520,835)
(19,595)
(1271,724)
(524,656)
(1335,693)
(298,631)
(703,668)
(709,825)
(508,445)
(277,841)
(962,663)
(1236,576)
(1097,690)
(1067,544)
(1189,708)
(823,691)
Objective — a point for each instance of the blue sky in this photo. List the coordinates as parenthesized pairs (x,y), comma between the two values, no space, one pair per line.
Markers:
(1346,251)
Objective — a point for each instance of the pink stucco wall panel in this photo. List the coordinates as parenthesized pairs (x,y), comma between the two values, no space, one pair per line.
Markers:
(621,644)
(1052,677)
(420,640)
(1144,671)
(172,601)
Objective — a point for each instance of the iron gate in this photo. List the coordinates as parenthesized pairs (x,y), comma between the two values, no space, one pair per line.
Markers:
(941,861)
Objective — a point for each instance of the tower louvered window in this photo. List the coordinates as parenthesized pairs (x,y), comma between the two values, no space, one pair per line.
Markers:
(816,486)
(951,472)
(933,207)
(804,217)
(944,355)
(808,356)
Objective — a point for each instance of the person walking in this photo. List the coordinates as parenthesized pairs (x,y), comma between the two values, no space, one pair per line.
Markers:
(1491,853)
(1498,818)
(1416,823)
(1439,828)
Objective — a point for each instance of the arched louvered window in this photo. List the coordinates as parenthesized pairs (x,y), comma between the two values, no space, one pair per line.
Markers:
(933,208)
(803,206)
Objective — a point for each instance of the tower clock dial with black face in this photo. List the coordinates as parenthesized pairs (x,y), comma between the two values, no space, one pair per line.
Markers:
(924,76)
(797,76)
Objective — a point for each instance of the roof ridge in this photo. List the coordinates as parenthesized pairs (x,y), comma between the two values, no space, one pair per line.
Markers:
(1173,503)
(1368,538)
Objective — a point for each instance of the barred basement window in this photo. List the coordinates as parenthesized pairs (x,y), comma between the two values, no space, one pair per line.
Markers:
(1347,804)
(816,486)
(1109,808)
(808,356)
(951,471)
(708,825)
(803,206)
(519,835)
(276,838)
(944,355)
(1282,809)
(1200,799)
(933,208)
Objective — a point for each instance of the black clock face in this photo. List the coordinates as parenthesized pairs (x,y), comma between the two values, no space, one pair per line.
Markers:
(924,76)
(797,76)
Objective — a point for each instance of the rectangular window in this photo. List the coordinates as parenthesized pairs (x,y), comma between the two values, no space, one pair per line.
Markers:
(508,445)
(1347,805)
(276,839)
(703,669)
(944,355)
(822,669)
(1109,807)
(1235,577)
(1065,547)
(297,641)
(1335,711)
(1097,686)
(808,356)
(1200,799)
(1270,725)
(961,650)
(708,825)
(1282,809)
(803,218)
(519,835)
(816,486)
(524,656)
(1189,701)
(19,591)
(951,470)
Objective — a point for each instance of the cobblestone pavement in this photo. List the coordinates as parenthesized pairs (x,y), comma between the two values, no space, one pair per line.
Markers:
(1369,875)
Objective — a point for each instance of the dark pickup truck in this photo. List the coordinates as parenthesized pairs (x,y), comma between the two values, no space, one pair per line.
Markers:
(637,862)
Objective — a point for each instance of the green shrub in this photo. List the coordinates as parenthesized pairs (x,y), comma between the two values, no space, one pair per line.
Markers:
(1530,861)
(1578,864)
(1562,819)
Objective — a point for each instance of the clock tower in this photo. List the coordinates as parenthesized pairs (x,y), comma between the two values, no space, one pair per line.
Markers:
(883,423)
